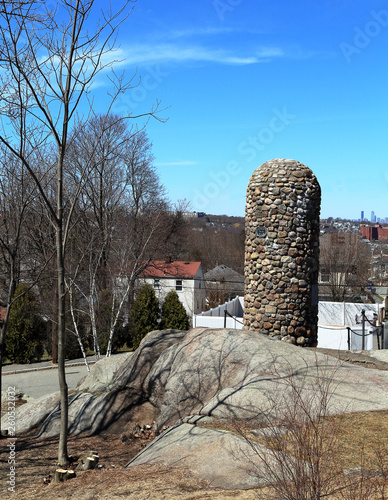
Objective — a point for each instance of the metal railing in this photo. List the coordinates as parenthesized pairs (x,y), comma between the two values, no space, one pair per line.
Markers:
(379,330)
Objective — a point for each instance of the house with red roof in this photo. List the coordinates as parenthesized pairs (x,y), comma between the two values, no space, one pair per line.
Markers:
(186,278)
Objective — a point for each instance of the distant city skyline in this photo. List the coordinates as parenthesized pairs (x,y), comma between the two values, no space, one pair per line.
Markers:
(373,217)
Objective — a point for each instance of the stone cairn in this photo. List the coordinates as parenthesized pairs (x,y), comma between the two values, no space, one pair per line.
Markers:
(282,252)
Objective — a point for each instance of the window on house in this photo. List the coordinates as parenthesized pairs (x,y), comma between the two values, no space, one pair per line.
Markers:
(156,284)
(178,285)
(324,275)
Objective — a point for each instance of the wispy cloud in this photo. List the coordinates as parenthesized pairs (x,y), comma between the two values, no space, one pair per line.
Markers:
(185,163)
(164,53)
(207,31)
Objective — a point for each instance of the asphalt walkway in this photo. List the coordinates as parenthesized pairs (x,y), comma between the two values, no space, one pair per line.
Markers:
(44,365)
(38,379)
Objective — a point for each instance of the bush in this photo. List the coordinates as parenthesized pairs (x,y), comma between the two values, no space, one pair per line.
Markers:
(144,315)
(173,313)
(26,329)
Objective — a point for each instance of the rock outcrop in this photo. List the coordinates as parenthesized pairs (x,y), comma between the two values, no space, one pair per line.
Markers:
(220,373)
(222,458)
(182,380)
(102,374)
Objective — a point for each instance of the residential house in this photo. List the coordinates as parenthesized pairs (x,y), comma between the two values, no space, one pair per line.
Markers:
(186,278)
(222,285)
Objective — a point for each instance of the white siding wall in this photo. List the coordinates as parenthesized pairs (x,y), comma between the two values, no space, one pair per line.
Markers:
(186,294)
(192,294)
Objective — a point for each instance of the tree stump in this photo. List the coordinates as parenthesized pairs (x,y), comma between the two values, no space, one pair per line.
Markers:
(88,461)
(62,475)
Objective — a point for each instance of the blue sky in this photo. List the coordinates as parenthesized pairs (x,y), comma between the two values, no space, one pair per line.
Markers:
(246,81)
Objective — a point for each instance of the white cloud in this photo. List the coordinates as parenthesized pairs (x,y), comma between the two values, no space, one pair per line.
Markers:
(269,53)
(208,31)
(163,53)
(185,163)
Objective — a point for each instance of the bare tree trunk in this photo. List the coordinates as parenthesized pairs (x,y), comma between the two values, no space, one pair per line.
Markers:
(76,329)
(92,313)
(63,458)
(54,328)
(114,319)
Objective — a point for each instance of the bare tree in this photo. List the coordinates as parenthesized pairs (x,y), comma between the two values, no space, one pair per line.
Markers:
(102,141)
(124,219)
(16,197)
(49,60)
(122,165)
(344,265)
(215,244)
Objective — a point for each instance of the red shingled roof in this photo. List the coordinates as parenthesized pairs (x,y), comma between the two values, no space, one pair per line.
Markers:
(2,313)
(176,269)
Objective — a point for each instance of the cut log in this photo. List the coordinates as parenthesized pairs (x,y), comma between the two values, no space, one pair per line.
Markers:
(88,461)
(70,474)
(62,475)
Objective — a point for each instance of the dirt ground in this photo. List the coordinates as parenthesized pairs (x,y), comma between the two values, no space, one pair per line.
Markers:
(36,461)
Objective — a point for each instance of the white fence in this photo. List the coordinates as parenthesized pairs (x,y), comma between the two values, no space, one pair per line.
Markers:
(332,338)
(329,337)
(215,318)
(338,338)
(218,322)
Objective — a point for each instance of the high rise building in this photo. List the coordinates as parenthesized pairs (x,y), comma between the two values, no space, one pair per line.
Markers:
(372,216)
(362,215)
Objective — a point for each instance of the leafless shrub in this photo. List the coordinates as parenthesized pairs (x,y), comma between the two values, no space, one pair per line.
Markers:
(297,453)
(367,482)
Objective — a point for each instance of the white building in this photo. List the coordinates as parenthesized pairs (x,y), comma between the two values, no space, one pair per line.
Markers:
(185,278)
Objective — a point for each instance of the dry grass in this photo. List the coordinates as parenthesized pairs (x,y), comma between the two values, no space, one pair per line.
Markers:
(37,458)
(361,436)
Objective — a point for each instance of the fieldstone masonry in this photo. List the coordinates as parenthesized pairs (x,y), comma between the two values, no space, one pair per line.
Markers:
(282,252)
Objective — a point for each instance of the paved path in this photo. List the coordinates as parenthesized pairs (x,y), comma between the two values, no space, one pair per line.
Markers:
(38,379)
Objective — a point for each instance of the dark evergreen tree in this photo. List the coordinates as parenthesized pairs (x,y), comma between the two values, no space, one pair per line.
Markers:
(26,328)
(173,313)
(144,315)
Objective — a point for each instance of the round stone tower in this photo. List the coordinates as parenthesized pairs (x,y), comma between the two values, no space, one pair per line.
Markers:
(282,252)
